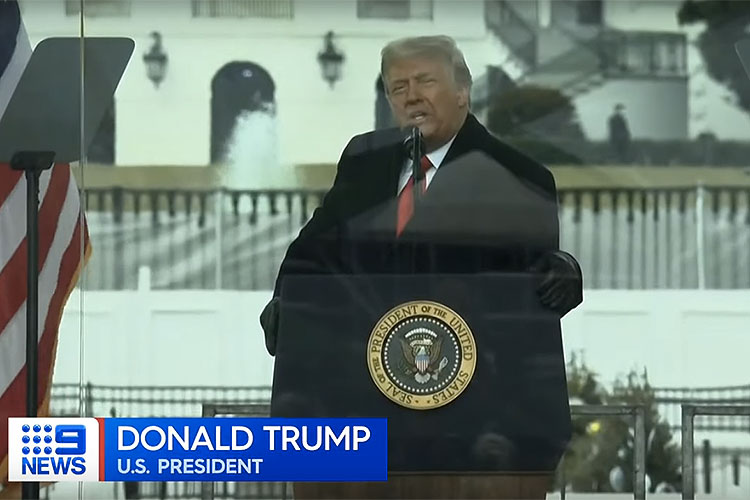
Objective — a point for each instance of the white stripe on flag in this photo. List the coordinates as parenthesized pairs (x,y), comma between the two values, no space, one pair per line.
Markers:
(13,337)
(13,216)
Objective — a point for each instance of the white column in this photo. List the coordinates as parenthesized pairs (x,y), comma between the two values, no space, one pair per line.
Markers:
(544,11)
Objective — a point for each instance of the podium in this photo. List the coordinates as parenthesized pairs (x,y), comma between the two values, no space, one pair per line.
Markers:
(439,330)
(453,435)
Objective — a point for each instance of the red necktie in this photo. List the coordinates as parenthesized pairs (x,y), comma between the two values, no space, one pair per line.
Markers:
(406,198)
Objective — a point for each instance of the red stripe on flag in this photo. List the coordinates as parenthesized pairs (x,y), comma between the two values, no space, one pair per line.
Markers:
(13,275)
(13,400)
(101,449)
(8,180)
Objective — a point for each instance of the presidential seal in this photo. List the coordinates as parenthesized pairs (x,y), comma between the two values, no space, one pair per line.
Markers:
(421,355)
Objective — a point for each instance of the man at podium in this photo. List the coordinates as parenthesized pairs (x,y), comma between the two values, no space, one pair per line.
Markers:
(477,209)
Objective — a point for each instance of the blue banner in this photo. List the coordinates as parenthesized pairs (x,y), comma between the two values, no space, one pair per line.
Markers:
(245,449)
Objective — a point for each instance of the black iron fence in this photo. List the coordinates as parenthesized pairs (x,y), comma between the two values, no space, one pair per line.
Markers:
(160,401)
(68,399)
(669,401)
(625,238)
(148,401)
(194,490)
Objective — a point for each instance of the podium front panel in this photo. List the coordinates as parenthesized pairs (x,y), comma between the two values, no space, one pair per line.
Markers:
(511,416)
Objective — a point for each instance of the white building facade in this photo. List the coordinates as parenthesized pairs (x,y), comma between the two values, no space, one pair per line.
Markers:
(172,124)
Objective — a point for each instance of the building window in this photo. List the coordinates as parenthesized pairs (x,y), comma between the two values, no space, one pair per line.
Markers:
(274,9)
(98,8)
(590,12)
(667,55)
(394,9)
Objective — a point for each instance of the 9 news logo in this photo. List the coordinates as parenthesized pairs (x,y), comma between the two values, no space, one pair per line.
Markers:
(53,449)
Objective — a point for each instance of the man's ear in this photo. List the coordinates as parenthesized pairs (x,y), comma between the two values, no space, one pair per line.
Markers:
(463,97)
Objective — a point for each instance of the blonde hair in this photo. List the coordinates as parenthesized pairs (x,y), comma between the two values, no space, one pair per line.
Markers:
(440,46)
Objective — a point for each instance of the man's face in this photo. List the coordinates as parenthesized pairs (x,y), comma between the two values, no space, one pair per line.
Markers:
(423,93)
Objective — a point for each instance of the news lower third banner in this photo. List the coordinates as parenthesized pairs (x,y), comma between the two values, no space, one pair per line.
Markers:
(197,449)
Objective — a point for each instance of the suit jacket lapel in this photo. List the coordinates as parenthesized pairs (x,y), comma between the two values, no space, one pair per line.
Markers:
(395,162)
(467,139)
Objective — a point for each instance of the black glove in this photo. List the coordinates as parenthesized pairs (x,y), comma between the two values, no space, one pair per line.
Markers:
(561,287)
(269,321)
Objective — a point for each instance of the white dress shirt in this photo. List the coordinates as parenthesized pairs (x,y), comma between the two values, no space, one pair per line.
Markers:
(436,158)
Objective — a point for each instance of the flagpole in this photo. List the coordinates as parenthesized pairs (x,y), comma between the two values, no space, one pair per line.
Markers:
(32,164)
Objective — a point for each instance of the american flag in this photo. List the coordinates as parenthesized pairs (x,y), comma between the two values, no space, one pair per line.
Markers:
(63,250)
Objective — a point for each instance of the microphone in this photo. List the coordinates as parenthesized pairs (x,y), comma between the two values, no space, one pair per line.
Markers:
(413,148)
